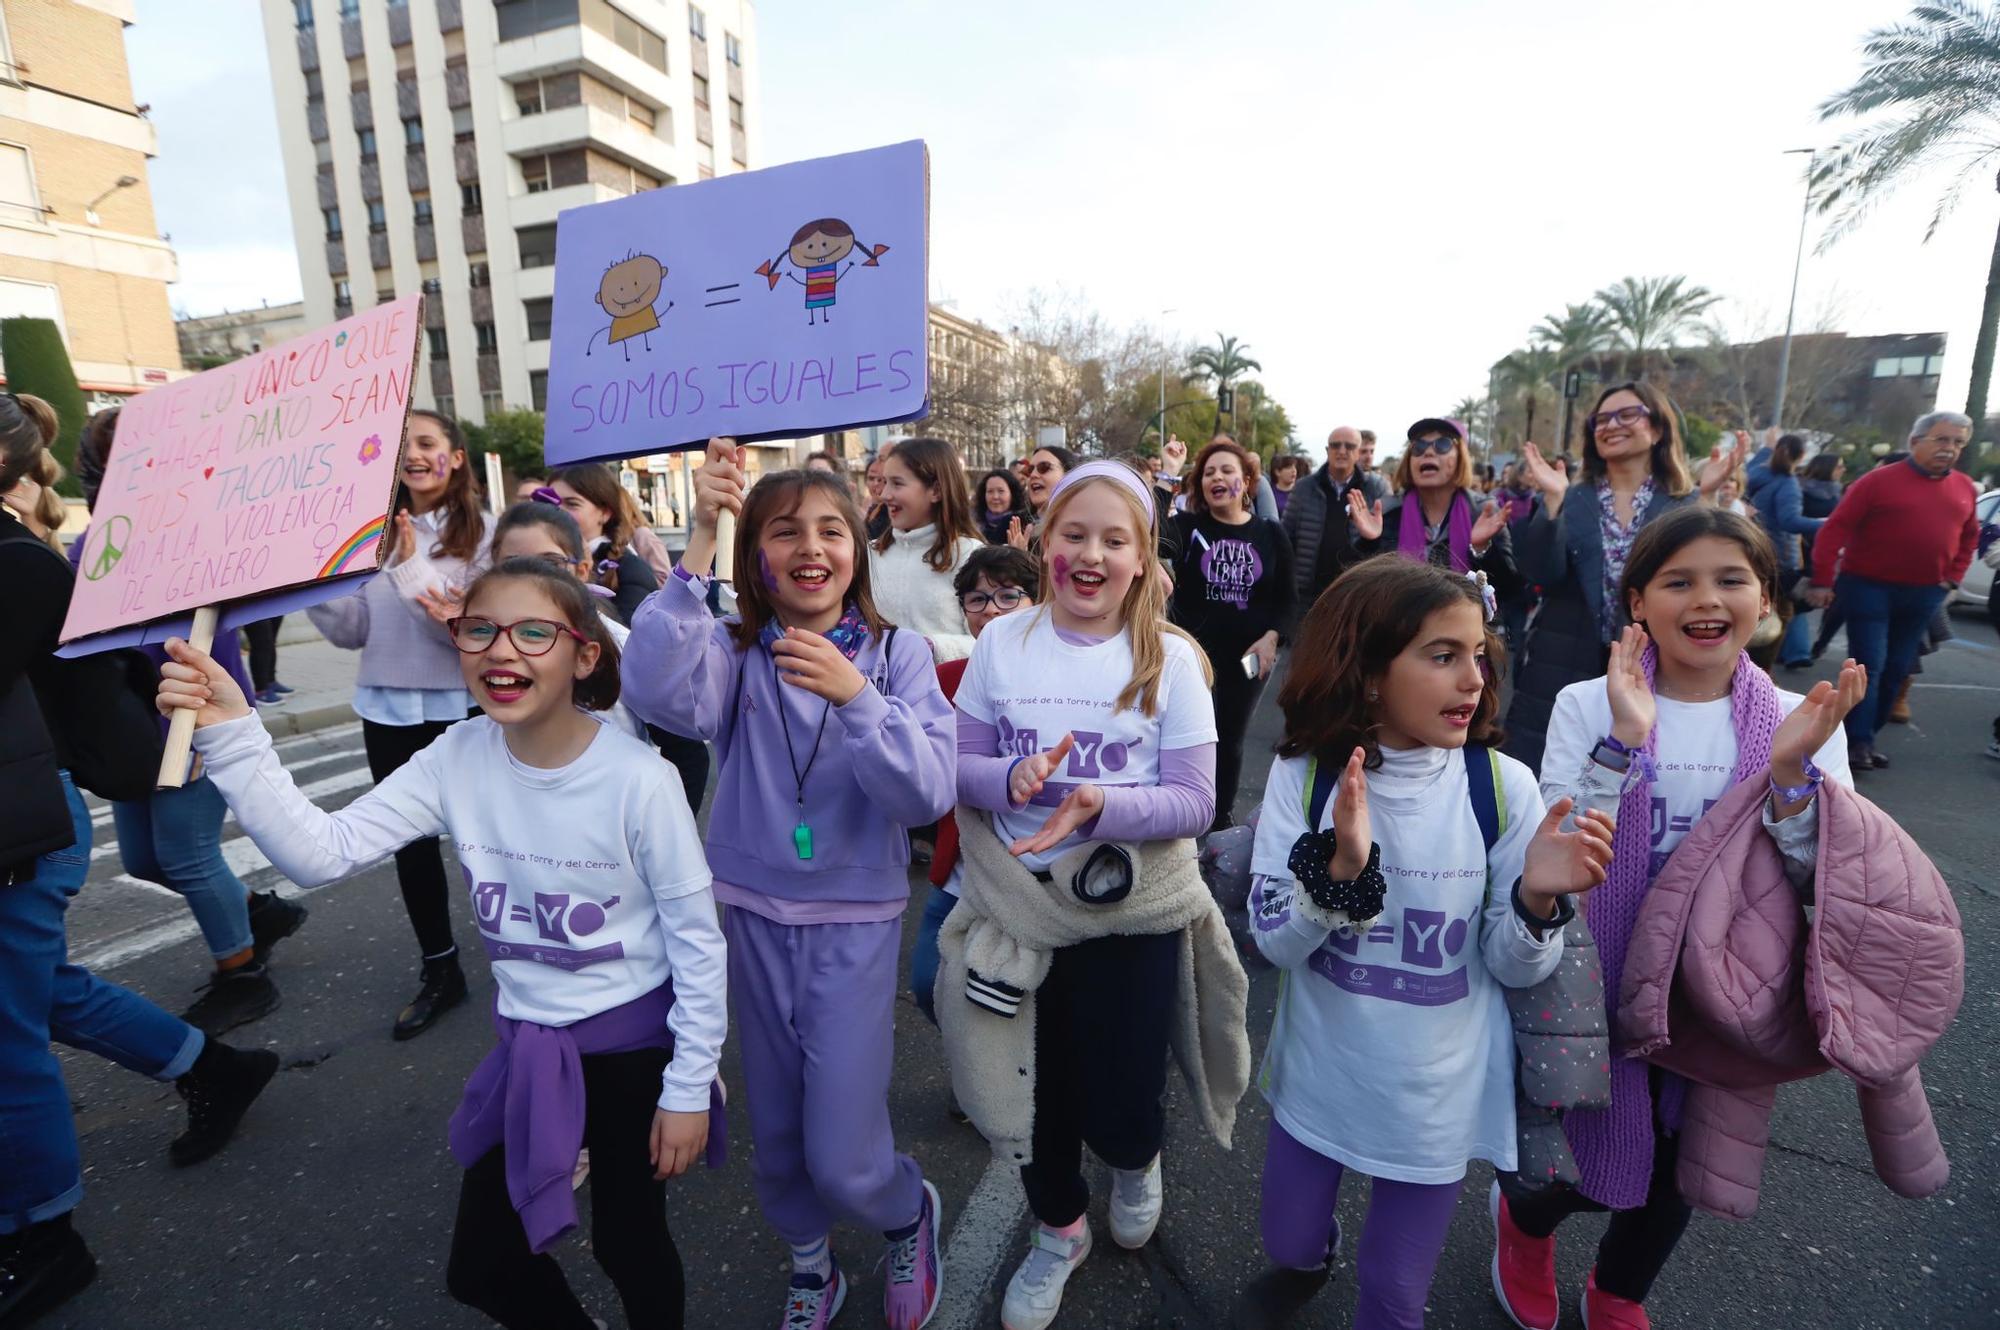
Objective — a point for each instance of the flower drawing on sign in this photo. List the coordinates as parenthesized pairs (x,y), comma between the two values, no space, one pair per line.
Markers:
(816,254)
(340,340)
(371,448)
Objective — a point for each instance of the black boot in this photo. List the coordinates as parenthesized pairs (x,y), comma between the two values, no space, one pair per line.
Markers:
(219,1090)
(272,920)
(232,998)
(41,1267)
(444,988)
(1273,1298)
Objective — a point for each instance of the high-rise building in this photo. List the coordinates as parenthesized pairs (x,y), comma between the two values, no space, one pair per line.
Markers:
(78,242)
(430,144)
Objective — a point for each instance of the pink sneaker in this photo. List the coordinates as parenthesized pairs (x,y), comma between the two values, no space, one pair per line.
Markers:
(813,1301)
(1524,1270)
(1608,1311)
(916,1270)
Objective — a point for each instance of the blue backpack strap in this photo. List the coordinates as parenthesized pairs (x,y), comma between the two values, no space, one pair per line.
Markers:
(1482,780)
(1320,777)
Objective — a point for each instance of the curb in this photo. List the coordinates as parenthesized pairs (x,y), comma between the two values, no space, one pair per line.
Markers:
(306,720)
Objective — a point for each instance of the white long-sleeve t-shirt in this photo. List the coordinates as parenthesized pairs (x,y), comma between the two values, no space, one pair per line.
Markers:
(587,881)
(911,594)
(1391,1051)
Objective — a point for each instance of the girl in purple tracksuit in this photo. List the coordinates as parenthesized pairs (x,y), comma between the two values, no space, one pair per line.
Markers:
(833,738)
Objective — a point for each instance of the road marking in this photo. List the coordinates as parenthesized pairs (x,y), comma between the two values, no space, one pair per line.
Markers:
(100,814)
(325,787)
(984,1237)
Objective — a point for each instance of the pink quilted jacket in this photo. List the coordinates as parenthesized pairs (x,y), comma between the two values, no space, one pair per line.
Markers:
(1728,983)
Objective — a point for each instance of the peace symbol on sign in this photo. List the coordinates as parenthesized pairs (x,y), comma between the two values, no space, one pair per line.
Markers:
(105,547)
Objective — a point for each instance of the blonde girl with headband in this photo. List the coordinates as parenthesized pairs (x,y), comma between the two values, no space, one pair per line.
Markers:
(1086,748)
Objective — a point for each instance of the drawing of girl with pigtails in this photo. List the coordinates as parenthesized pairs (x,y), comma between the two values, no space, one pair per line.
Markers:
(816,254)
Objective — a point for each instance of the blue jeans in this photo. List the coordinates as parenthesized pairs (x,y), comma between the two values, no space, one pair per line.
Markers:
(1886,624)
(42,996)
(174,838)
(1797,644)
(924,957)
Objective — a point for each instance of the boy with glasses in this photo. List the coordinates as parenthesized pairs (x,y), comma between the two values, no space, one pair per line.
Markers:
(996,580)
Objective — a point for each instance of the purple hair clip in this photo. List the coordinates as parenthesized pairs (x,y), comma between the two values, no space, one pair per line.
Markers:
(607,565)
(601,592)
(544,494)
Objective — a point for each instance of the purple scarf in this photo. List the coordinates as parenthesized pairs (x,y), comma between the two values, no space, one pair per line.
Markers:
(1614,1146)
(527,1095)
(1413,539)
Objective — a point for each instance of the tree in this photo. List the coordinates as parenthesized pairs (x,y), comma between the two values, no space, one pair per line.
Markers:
(516,435)
(1648,313)
(1526,374)
(32,350)
(1220,364)
(1937,76)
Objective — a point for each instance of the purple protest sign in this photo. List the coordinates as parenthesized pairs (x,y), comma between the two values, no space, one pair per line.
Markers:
(784,301)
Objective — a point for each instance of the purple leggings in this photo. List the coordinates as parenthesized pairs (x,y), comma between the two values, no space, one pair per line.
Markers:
(1400,1240)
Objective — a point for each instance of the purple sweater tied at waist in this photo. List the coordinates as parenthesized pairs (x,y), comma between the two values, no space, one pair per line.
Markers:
(527,1095)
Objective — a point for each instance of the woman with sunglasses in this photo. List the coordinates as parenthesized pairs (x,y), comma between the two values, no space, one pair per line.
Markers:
(1436,516)
(1046,468)
(1575,544)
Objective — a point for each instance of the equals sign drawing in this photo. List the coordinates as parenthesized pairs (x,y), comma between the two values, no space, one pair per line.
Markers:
(729,301)
(519,914)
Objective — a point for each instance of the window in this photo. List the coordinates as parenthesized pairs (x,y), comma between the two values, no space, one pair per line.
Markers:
(732,48)
(32,300)
(384,294)
(446,404)
(413,132)
(525,18)
(350,8)
(1913,367)
(697,23)
(486,338)
(315,85)
(302,10)
(433,286)
(535,174)
(491,401)
(701,90)
(1935,367)
(641,114)
(538,389)
(461,124)
(471,199)
(440,344)
(736,113)
(538,246)
(378,218)
(17,183)
(630,34)
(479,274)
(332,216)
(539,317)
(1886,367)
(421,205)
(343,294)
(528,97)
(367,138)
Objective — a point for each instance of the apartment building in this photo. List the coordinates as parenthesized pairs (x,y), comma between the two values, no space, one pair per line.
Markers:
(430,144)
(215,339)
(78,240)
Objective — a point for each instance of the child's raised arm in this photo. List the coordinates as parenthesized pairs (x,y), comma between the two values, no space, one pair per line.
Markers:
(309,845)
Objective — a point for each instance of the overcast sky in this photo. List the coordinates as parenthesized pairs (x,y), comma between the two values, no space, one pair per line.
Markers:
(1379,198)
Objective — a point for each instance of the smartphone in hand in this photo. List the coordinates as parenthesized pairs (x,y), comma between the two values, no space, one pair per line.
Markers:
(1251,665)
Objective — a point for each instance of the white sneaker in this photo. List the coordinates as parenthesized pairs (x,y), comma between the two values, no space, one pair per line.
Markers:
(1135,1205)
(1034,1294)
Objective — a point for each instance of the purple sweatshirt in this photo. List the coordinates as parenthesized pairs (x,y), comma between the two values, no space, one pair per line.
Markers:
(886,762)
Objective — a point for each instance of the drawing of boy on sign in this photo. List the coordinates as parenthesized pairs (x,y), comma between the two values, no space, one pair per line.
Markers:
(816,252)
(627,292)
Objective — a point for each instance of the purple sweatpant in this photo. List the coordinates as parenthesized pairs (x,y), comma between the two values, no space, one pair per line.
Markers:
(815,1018)
(1400,1239)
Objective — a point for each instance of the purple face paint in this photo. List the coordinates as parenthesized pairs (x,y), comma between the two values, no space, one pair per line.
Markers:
(1060,567)
(764,568)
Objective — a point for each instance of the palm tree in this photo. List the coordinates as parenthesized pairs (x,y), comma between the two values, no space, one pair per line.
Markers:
(1578,336)
(1527,372)
(1938,77)
(1467,412)
(1647,313)
(1220,364)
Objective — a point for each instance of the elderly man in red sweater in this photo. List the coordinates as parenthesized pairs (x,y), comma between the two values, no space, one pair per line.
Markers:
(1900,541)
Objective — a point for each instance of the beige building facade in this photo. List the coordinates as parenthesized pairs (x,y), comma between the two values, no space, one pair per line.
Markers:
(79,243)
(213,339)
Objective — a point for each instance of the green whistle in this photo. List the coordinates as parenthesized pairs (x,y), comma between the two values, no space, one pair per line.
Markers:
(802,837)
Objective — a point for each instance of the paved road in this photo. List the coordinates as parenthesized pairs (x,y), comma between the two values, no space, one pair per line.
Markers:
(333,1208)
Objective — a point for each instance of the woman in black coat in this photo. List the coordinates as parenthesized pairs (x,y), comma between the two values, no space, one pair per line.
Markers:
(1435,517)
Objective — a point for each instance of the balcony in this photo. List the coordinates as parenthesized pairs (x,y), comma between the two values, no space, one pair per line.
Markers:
(465,161)
(316,120)
(482,304)
(704,124)
(541,209)
(350,38)
(489,371)
(536,283)
(378,250)
(371,182)
(416,170)
(434,311)
(457,85)
(308,50)
(399,25)
(472,231)
(536,354)
(408,104)
(449,18)
(362,108)
(578,47)
(580,126)
(427,245)
(440,376)
(329,188)
(336,258)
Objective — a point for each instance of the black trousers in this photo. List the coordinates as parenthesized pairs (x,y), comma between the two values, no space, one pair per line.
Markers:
(1235,696)
(263,636)
(690,760)
(420,864)
(1637,1243)
(491,1268)
(1102,1021)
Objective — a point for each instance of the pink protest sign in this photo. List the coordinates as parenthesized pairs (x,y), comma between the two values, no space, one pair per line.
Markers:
(274,472)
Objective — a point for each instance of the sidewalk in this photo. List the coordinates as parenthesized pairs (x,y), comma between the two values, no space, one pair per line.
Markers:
(323,675)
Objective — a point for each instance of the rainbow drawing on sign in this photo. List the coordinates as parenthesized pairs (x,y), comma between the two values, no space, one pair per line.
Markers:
(353,546)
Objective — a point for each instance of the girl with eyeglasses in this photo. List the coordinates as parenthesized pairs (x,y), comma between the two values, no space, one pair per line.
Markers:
(1234,593)
(1575,543)
(593,900)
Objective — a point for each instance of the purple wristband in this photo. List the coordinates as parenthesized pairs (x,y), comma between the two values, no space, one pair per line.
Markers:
(1611,742)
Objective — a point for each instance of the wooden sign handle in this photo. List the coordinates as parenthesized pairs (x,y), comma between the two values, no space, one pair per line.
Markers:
(725,546)
(180,729)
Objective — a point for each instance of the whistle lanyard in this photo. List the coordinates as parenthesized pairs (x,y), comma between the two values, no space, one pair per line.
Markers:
(802,834)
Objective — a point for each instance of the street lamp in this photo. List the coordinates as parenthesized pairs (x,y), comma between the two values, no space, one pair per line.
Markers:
(90,208)
(1798,259)
(1163,389)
